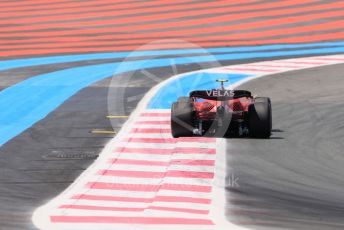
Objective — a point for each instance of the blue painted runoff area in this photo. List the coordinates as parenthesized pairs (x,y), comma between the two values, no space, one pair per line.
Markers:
(26,62)
(182,86)
(29,101)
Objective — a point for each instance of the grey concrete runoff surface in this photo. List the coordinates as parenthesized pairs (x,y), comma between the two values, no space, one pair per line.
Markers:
(295,180)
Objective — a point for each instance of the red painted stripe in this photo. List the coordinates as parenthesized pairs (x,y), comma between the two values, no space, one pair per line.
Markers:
(163,163)
(151,140)
(306,62)
(125,187)
(182,199)
(150,130)
(251,69)
(129,220)
(172,199)
(153,122)
(136,174)
(277,66)
(124,209)
(189,174)
(138,162)
(144,174)
(328,59)
(149,188)
(112,198)
(100,208)
(199,139)
(185,150)
(186,210)
(168,140)
(186,187)
(193,162)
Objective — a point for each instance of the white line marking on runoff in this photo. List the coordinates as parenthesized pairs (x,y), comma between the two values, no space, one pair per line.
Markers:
(145,179)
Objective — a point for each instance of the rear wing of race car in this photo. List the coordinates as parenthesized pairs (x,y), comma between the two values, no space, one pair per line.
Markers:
(220,94)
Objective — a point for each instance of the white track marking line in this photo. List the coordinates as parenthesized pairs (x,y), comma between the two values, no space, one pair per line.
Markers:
(101,226)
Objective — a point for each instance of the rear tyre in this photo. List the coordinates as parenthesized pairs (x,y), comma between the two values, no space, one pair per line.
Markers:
(259,118)
(182,118)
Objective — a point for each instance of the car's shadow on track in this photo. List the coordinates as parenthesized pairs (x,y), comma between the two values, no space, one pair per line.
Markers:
(272,137)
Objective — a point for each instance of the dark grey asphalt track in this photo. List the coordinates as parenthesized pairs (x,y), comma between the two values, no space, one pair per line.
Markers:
(295,180)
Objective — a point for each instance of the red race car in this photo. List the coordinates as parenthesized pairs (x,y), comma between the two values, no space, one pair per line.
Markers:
(221,112)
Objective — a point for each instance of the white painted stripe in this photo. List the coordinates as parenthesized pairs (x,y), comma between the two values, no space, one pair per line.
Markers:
(106,203)
(144,110)
(126,180)
(160,141)
(152,118)
(152,181)
(153,126)
(142,168)
(139,156)
(136,204)
(191,168)
(154,168)
(105,192)
(145,213)
(101,226)
(184,193)
(148,135)
(156,157)
(194,156)
(165,145)
(182,205)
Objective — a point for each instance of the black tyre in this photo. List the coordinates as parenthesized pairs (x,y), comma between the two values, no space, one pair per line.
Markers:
(182,119)
(262,99)
(259,118)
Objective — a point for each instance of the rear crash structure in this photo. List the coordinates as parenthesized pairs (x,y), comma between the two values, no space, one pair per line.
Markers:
(221,113)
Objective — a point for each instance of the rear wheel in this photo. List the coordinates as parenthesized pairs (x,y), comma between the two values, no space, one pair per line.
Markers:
(259,118)
(182,118)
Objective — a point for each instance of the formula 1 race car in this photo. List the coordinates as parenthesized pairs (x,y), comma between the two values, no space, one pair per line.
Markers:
(221,113)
